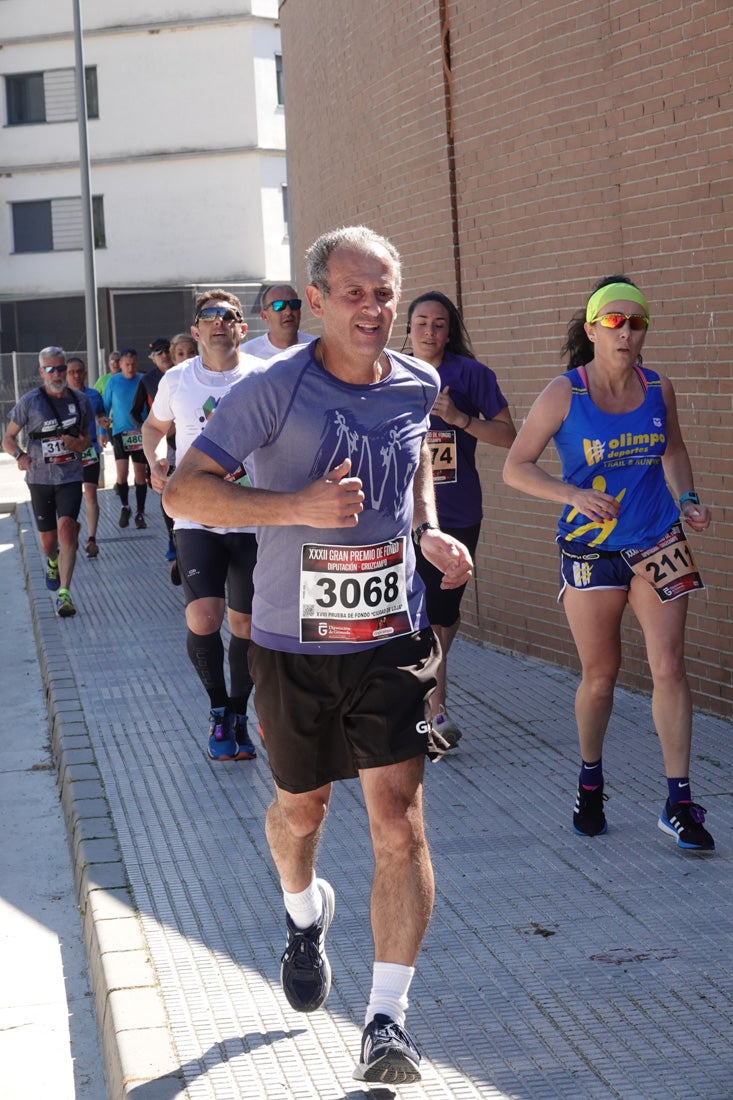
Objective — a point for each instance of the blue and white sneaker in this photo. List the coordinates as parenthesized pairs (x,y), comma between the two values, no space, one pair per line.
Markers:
(305,972)
(685,822)
(447,728)
(388,1054)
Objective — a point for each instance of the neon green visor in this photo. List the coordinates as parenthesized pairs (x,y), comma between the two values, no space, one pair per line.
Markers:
(614,292)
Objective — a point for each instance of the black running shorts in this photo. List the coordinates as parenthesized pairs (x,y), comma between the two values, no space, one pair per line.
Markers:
(213,564)
(91,472)
(118,446)
(325,718)
(50,502)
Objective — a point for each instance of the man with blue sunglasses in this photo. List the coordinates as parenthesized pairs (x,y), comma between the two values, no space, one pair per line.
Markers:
(56,422)
(281,313)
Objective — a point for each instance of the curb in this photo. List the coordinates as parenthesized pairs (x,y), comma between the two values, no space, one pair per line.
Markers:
(140,1062)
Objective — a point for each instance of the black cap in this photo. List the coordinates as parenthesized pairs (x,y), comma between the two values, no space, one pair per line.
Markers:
(161,344)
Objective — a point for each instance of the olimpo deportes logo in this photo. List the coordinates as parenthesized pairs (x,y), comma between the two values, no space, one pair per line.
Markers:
(593,450)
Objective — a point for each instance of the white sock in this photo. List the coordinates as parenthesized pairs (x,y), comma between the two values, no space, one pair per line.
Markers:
(306,907)
(390,986)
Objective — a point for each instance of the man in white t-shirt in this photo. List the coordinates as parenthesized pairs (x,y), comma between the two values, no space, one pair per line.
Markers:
(281,313)
(215,563)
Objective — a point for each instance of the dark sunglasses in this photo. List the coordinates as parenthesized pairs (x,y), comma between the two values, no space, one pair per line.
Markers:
(279,304)
(217,313)
(55,370)
(637,321)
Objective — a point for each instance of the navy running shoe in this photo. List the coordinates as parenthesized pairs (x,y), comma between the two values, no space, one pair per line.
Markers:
(685,822)
(388,1054)
(238,731)
(305,972)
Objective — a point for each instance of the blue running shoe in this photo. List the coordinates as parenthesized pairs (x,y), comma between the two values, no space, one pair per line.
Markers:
(388,1054)
(64,607)
(685,822)
(238,731)
(222,745)
(52,575)
(223,740)
(305,972)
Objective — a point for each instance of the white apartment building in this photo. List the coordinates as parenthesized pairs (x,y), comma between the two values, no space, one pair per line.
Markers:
(186,135)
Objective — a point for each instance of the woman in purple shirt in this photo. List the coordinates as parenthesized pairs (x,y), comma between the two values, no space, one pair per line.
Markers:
(469,409)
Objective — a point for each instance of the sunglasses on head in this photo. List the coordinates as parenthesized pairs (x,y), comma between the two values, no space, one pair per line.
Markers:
(279,304)
(637,321)
(218,313)
(55,370)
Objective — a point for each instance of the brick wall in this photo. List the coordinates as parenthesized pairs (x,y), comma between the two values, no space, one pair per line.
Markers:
(587,138)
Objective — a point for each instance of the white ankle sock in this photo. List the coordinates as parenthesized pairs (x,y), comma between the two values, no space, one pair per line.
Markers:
(306,907)
(390,985)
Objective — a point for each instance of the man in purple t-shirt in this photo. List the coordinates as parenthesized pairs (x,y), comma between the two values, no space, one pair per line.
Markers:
(342,656)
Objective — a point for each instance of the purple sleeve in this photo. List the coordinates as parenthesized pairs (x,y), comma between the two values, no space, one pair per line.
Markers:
(484,390)
(217,454)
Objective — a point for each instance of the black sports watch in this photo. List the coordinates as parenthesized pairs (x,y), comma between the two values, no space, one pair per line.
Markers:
(420,531)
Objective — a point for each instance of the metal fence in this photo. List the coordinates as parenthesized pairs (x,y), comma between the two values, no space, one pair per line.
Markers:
(18,374)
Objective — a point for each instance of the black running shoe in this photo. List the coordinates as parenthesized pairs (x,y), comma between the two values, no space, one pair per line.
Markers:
(685,822)
(588,816)
(124,520)
(140,521)
(175,573)
(305,972)
(388,1054)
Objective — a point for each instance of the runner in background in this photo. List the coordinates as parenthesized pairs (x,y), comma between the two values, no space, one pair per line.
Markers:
(56,423)
(127,441)
(469,409)
(76,373)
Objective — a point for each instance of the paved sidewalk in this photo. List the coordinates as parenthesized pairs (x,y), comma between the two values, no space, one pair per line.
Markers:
(49,1046)
(555,967)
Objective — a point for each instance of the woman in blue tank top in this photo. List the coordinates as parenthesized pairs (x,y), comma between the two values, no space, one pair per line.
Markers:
(614,424)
